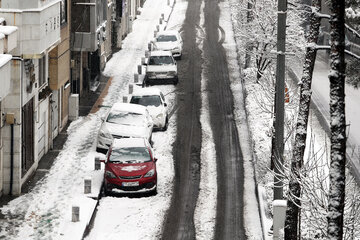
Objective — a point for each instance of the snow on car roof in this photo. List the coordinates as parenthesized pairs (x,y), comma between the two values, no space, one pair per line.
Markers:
(168,32)
(128,107)
(129,142)
(147,91)
(160,53)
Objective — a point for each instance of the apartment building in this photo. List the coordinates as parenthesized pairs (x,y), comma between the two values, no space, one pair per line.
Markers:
(30,96)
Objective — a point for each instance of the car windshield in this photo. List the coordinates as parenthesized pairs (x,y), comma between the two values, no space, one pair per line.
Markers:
(166,38)
(153,100)
(130,155)
(126,118)
(161,60)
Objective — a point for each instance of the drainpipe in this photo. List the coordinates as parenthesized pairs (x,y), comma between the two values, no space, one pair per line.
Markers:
(11,158)
(15,58)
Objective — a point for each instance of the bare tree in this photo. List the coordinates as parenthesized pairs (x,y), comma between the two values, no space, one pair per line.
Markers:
(293,209)
(256,26)
(337,121)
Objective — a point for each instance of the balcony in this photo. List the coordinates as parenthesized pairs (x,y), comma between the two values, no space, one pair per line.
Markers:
(5,67)
(88,24)
(8,38)
(39,28)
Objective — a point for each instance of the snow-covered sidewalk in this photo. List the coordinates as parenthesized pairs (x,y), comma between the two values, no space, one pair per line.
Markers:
(321,99)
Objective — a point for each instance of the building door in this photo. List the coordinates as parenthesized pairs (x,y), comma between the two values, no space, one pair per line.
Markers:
(27,156)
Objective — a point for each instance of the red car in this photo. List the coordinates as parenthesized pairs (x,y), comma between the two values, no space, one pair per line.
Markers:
(130,167)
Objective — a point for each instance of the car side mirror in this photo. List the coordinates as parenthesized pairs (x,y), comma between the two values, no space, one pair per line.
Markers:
(165,104)
(155,159)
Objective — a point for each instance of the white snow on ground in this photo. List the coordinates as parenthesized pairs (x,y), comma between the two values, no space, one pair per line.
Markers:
(44,213)
(142,218)
(251,209)
(205,211)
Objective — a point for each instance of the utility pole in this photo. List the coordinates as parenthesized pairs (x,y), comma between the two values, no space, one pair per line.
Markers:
(279,100)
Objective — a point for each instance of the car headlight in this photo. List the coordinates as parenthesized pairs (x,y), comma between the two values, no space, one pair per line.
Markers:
(151,73)
(110,174)
(150,173)
(159,116)
(172,72)
(175,48)
(105,135)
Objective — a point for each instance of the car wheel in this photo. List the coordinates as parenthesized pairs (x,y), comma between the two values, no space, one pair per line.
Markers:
(166,124)
(179,57)
(105,191)
(153,192)
(145,82)
(150,141)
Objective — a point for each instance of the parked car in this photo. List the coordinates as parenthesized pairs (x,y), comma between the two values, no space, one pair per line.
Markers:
(161,67)
(124,120)
(154,100)
(169,41)
(130,167)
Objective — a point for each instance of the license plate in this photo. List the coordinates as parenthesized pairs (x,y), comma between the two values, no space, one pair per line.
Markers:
(130,184)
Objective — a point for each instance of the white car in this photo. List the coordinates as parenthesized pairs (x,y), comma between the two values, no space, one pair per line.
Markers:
(154,100)
(169,41)
(161,67)
(124,120)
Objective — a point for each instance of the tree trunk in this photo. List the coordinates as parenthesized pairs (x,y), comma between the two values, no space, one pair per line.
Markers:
(337,121)
(249,18)
(293,208)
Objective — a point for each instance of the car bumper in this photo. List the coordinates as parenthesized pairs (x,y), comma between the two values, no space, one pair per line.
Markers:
(176,53)
(103,144)
(117,187)
(161,77)
(159,123)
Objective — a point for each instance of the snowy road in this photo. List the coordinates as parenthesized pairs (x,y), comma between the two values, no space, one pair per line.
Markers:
(141,218)
(187,165)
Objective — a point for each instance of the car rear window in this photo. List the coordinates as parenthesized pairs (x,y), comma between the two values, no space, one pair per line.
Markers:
(130,155)
(161,60)
(153,100)
(126,118)
(166,38)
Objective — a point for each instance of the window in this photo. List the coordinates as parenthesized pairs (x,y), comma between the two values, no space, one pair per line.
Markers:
(42,71)
(63,12)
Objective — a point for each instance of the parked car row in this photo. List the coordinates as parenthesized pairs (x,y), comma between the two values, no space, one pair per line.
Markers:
(161,65)
(126,131)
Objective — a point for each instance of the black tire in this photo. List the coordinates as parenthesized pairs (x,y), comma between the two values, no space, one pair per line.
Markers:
(151,141)
(166,124)
(153,192)
(145,82)
(176,80)
(105,191)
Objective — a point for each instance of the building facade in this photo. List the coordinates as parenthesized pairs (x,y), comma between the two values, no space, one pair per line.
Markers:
(38,23)
(6,34)
(55,51)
